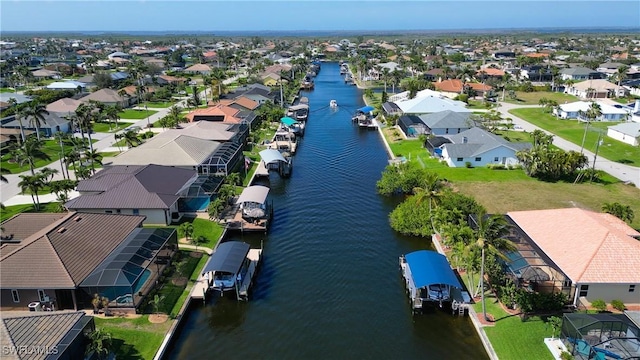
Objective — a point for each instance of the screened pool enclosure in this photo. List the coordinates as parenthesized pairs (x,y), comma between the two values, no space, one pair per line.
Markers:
(130,271)
(601,336)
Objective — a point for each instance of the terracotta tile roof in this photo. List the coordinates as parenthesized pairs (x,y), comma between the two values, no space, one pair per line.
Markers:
(479,87)
(131,90)
(61,255)
(450,85)
(198,68)
(172,79)
(490,72)
(246,103)
(210,54)
(537,55)
(589,247)
(225,111)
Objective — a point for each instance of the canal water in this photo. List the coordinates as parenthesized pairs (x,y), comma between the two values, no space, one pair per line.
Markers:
(329,286)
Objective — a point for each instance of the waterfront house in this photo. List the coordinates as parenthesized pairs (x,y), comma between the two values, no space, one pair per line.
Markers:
(153,191)
(454,87)
(574,109)
(598,253)
(430,104)
(58,258)
(67,85)
(478,147)
(447,122)
(54,122)
(626,132)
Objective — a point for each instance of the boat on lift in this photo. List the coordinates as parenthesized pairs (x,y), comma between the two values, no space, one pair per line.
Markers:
(333,104)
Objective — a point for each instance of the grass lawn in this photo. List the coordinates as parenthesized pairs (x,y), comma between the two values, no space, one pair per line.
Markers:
(573,130)
(51,148)
(478,104)
(165,104)
(134,338)
(513,338)
(7,90)
(12,210)
(109,153)
(533,98)
(189,89)
(104,127)
(211,230)
(136,114)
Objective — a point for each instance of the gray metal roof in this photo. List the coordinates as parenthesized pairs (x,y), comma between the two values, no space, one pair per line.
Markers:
(181,150)
(630,128)
(133,187)
(476,141)
(447,119)
(227,258)
(577,71)
(257,194)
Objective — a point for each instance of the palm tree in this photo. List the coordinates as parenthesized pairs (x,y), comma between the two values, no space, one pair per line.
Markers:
(84,116)
(594,112)
(48,174)
(32,184)
(95,158)
(112,113)
(187,229)
(20,114)
(32,149)
(60,136)
(100,343)
(36,116)
(622,212)
(621,74)
(490,232)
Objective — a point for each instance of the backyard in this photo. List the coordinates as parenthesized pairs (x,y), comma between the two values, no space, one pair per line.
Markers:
(51,148)
(533,98)
(573,130)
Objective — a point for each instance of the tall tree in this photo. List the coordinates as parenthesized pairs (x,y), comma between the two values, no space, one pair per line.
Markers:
(490,232)
(32,184)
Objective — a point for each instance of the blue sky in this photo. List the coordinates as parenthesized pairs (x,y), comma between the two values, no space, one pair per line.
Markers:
(240,15)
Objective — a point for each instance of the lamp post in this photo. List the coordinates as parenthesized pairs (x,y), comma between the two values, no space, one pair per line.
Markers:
(147,111)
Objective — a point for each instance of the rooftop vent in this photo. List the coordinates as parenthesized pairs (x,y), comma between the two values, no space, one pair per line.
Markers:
(61,230)
(77,218)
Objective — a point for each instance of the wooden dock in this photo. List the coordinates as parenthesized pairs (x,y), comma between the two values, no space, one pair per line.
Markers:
(200,288)
(254,256)
(239,223)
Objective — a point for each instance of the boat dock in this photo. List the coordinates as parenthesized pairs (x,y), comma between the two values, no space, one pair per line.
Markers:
(430,280)
(254,257)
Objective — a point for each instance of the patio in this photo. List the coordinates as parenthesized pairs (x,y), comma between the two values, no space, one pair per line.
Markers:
(600,336)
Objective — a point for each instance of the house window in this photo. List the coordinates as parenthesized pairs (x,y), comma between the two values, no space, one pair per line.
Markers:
(117,211)
(632,288)
(15,296)
(567,284)
(108,212)
(496,159)
(459,159)
(41,295)
(478,159)
(458,131)
(446,131)
(136,211)
(584,289)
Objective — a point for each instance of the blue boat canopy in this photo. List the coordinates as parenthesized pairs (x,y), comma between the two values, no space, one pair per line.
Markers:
(288,121)
(430,267)
(366,109)
(228,257)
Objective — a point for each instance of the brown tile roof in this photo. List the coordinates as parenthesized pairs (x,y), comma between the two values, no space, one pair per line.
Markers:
(104,95)
(537,55)
(65,105)
(21,226)
(172,79)
(589,247)
(479,87)
(64,253)
(198,68)
(247,103)
(131,90)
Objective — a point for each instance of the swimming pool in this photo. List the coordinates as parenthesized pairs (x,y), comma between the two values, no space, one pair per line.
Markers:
(143,279)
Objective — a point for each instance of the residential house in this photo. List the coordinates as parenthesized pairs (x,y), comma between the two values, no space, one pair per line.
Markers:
(536,73)
(490,72)
(167,79)
(596,89)
(574,109)
(58,335)
(184,151)
(50,256)
(271,79)
(447,122)
(54,122)
(19,98)
(411,126)
(479,147)
(152,190)
(45,74)
(107,97)
(198,69)
(64,106)
(598,253)
(430,104)
(454,87)
(67,85)
(433,74)
(626,132)
(118,54)
(579,73)
(504,54)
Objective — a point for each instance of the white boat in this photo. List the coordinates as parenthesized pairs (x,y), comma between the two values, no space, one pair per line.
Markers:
(333,104)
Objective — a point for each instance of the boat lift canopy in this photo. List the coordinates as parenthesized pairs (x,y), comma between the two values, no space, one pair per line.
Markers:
(227,258)
(271,155)
(366,109)
(256,193)
(288,121)
(298,107)
(430,267)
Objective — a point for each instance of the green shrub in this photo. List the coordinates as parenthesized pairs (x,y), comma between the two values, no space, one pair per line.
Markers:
(618,305)
(462,97)
(468,165)
(496,166)
(599,305)
(566,356)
